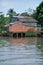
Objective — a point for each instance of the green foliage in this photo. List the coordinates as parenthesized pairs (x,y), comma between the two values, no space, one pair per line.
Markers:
(6,19)
(24,14)
(11,13)
(39,14)
(2,43)
(2,23)
(33,14)
(31,34)
(39,10)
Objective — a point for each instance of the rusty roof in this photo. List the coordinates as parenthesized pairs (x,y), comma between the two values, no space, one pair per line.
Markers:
(25,18)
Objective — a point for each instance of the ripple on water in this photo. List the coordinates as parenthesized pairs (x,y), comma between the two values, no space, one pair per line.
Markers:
(21,53)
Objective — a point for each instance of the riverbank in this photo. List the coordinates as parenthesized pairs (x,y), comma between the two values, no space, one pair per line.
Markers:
(30,34)
(2,43)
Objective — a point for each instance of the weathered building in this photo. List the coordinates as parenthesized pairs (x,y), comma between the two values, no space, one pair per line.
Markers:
(21,25)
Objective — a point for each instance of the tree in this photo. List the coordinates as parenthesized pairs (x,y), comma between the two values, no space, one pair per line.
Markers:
(2,22)
(39,14)
(33,15)
(39,10)
(11,13)
(24,14)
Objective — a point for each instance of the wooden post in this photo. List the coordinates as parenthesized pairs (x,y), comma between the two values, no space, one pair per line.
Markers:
(25,34)
(21,34)
(17,35)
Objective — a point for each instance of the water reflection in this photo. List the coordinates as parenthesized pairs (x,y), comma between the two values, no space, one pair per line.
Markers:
(19,41)
(40,43)
(22,51)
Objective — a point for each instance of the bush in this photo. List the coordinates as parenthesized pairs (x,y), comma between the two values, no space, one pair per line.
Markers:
(30,34)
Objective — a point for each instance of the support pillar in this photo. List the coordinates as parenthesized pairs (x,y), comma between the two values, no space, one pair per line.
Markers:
(17,35)
(21,34)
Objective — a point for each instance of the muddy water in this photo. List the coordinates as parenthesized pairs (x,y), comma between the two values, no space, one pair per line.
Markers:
(21,51)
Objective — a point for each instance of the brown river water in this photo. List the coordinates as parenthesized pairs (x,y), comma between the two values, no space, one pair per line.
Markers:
(21,51)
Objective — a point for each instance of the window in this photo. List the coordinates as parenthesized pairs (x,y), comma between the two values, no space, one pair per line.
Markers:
(30,23)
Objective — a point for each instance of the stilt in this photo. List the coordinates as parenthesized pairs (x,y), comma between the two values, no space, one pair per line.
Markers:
(25,35)
(17,35)
(21,34)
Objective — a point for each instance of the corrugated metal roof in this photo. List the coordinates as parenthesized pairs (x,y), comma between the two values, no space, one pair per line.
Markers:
(25,18)
(22,18)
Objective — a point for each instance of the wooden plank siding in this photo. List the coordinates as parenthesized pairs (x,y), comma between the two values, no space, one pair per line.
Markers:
(18,27)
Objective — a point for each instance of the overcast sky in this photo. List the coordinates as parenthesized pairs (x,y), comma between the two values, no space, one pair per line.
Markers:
(18,5)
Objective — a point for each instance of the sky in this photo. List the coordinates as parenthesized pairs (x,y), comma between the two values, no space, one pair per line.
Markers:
(18,5)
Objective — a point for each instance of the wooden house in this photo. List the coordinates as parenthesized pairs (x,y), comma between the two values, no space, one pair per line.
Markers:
(20,25)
